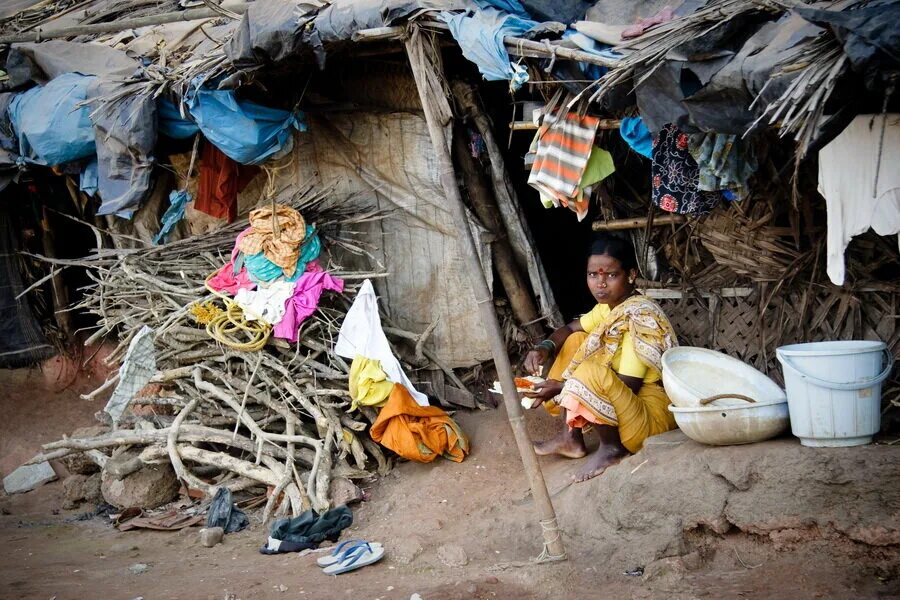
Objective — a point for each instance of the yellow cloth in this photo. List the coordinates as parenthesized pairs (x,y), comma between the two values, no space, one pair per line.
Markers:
(369,385)
(420,433)
(282,248)
(625,361)
(593,392)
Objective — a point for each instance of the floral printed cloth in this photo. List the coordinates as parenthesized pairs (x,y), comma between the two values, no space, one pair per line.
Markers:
(676,176)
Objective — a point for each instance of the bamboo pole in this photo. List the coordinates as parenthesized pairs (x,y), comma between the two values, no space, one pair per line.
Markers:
(193,14)
(636,223)
(425,72)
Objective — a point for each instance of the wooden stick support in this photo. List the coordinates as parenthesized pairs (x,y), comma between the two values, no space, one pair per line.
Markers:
(428,77)
(638,223)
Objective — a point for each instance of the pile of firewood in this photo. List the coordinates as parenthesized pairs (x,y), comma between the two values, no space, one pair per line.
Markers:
(276,418)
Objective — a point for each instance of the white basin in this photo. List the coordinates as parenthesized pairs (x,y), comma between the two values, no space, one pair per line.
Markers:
(694,374)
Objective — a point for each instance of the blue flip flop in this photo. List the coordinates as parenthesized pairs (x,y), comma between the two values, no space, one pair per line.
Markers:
(358,556)
(339,552)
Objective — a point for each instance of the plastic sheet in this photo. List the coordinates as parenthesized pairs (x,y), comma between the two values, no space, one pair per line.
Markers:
(171,124)
(51,127)
(223,513)
(480,36)
(178,200)
(245,131)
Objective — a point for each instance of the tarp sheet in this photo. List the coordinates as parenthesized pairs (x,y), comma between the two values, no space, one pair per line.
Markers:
(51,126)
(125,131)
(245,131)
(387,161)
(41,62)
(270,32)
(342,18)
(22,342)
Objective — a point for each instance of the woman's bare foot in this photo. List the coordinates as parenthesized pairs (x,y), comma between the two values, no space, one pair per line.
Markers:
(603,457)
(565,444)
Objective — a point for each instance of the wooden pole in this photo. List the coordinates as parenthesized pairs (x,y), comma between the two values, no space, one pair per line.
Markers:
(193,14)
(484,204)
(637,223)
(428,77)
(60,291)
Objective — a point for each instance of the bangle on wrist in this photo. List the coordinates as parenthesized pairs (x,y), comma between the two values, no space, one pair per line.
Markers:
(547,345)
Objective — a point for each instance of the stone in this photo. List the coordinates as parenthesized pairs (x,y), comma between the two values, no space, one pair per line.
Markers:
(344,492)
(452,556)
(28,477)
(406,550)
(149,487)
(79,463)
(81,488)
(138,568)
(210,536)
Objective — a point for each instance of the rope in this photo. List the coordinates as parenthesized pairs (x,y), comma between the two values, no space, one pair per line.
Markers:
(550,525)
(225,325)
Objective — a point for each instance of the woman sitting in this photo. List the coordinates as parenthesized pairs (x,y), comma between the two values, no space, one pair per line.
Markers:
(607,371)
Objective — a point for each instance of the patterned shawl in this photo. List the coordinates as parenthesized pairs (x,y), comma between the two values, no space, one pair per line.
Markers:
(650,330)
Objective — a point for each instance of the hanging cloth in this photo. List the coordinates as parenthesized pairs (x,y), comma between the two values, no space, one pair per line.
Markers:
(221,180)
(361,335)
(676,176)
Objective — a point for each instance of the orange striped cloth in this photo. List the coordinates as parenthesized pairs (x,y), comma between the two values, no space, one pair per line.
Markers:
(563,147)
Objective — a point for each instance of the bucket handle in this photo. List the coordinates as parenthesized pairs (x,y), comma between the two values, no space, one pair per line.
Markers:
(841,385)
(706,401)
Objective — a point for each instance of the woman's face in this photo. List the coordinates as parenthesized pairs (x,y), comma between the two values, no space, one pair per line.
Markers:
(607,280)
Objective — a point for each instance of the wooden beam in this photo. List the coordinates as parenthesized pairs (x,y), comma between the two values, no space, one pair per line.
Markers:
(530,126)
(636,223)
(673,293)
(193,14)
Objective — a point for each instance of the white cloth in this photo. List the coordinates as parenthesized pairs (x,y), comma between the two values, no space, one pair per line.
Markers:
(361,335)
(138,367)
(265,303)
(848,166)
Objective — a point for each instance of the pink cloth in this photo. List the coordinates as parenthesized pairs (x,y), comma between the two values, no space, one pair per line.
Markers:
(305,300)
(225,280)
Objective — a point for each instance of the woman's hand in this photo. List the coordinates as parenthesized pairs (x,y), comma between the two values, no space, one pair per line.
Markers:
(535,359)
(544,391)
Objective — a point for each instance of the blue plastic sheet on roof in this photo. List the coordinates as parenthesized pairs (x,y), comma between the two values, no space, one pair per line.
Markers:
(51,126)
(171,123)
(245,131)
(511,6)
(480,34)
(178,200)
(89,180)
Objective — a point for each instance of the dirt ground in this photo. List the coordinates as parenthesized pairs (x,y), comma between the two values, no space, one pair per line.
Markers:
(479,512)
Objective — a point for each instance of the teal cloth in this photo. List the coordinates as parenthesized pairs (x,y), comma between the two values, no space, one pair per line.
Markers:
(260,268)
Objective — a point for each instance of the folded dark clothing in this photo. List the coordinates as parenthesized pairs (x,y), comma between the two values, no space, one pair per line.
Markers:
(307,531)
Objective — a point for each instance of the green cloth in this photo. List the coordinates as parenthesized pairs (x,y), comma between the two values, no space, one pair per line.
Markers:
(599,167)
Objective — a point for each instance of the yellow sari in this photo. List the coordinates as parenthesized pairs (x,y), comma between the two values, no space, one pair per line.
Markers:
(593,392)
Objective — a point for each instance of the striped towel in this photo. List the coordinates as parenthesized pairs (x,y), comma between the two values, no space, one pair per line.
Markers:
(564,145)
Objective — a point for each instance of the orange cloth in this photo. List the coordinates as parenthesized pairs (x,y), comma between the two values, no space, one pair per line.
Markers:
(420,433)
(283,248)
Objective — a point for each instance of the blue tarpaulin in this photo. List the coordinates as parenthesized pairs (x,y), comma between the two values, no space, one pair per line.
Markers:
(178,199)
(171,123)
(89,180)
(511,6)
(480,34)
(245,131)
(51,127)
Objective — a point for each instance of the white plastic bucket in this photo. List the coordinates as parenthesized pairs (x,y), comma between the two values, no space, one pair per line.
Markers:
(834,390)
